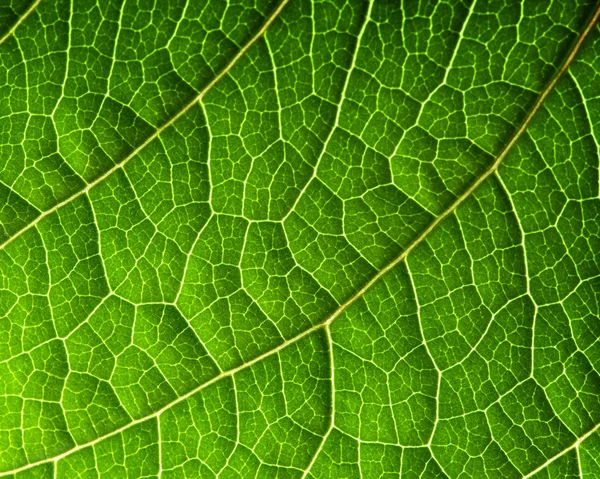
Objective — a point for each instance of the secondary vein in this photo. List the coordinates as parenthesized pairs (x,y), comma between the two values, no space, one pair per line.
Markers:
(158,131)
(325,323)
(21,19)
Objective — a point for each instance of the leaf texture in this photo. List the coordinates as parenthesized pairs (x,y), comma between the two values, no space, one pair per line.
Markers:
(299,239)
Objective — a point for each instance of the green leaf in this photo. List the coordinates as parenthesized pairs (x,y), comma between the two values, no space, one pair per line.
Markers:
(308,239)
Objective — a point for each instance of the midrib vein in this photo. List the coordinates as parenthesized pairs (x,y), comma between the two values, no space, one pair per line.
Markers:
(21,19)
(450,210)
(156,132)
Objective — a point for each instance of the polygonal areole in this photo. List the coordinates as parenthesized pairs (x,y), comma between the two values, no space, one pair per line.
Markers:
(309,238)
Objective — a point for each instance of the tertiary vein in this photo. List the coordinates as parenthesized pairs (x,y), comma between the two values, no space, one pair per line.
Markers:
(414,244)
(572,446)
(156,132)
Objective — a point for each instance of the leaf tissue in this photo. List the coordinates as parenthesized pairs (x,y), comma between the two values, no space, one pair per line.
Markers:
(299,239)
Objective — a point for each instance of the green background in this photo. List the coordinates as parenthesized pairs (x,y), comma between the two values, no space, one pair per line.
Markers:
(166,310)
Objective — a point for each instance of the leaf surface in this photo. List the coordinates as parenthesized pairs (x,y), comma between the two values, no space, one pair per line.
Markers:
(314,239)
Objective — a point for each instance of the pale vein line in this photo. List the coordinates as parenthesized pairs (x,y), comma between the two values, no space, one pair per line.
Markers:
(526,268)
(526,122)
(426,346)
(563,452)
(491,169)
(160,461)
(591,125)
(155,414)
(158,131)
(23,17)
(444,82)
(317,453)
(336,120)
